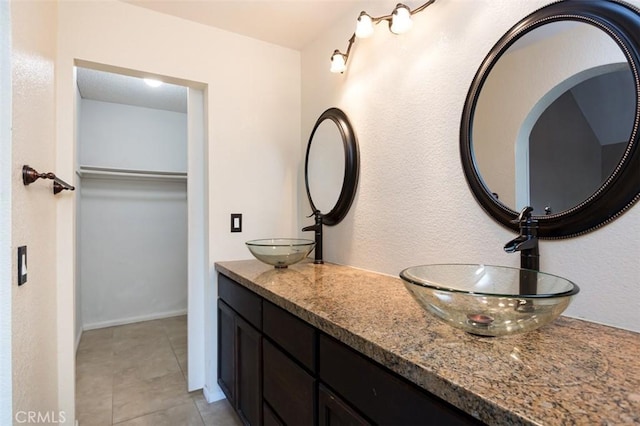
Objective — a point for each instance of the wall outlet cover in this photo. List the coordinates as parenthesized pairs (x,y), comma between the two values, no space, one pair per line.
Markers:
(236,222)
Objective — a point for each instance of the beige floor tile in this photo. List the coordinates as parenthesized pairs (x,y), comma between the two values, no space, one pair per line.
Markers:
(146,361)
(178,323)
(182,357)
(93,409)
(140,330)
(186,414)
(136,375)
(219,413)
(178,340)
(135,398)
(93,339)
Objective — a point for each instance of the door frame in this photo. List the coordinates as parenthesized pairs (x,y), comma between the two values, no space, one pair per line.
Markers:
(197,229)
(6,246)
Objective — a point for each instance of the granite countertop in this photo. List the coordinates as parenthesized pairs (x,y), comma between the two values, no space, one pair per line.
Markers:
(570,372)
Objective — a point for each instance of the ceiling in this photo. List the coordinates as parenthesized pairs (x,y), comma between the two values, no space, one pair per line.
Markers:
(289,23)
(122,89)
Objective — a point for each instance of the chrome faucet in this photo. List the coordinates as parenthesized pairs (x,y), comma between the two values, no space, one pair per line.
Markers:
(317,227)
(527,244)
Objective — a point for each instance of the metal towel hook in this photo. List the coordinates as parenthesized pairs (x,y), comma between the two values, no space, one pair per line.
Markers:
(30,175)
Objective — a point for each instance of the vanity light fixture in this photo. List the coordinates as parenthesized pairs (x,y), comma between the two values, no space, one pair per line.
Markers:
(401,20)
(364,27)
(399,23)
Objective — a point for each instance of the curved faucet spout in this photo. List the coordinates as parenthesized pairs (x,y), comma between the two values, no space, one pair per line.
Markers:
(520,243)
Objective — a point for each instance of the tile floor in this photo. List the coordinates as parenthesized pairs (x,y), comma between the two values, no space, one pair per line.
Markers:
(135,374)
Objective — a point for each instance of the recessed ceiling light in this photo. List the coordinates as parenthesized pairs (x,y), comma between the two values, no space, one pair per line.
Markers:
(152,82)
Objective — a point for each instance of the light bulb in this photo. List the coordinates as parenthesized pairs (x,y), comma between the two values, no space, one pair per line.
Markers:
(364,27)
(338,62)
(401,19)
(152,82)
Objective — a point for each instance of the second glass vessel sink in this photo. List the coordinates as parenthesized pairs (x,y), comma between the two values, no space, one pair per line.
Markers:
(280,252)
(489,300)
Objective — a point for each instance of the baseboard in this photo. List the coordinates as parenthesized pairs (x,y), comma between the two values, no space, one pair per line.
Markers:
(213,395)
(78,337)
(131,320)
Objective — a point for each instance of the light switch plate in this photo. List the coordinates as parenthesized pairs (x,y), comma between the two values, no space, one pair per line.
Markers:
(236,222)
(22,265)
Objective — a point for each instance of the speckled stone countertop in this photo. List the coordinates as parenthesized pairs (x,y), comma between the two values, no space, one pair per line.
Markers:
(570,372)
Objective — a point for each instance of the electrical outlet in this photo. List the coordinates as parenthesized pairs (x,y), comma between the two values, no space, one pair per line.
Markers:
(236,222)
(22,265)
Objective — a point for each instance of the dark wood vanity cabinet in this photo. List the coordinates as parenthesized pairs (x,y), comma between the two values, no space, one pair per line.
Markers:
(240,349)
(276,369)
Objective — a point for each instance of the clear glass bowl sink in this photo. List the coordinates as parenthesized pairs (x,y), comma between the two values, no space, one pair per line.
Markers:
(489,300)
(280,252)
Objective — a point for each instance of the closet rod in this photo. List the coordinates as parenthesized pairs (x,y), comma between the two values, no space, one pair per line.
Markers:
(91,171)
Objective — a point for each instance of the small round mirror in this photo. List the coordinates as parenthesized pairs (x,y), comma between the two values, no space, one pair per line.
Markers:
(331,166)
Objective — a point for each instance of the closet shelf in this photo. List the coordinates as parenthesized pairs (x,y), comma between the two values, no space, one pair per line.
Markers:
(93,172)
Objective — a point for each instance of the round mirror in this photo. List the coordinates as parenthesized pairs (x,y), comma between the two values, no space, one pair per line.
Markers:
(331,166)
(551,119)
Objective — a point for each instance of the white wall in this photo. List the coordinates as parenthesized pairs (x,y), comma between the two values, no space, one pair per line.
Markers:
(253,121)
(34,218)
(404,96)
(133,240)
(132,137)
(6,250)
(133,233)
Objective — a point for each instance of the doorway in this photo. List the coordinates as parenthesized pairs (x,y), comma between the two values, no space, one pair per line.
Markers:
(180,184)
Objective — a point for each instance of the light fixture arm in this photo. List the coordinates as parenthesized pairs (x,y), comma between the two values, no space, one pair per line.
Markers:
(375,21)
(351,41)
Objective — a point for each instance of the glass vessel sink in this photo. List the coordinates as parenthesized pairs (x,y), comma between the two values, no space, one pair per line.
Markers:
(489,300)
(280,252)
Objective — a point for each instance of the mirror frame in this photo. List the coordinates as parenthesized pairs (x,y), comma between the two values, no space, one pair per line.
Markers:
(351,164)
(621,189)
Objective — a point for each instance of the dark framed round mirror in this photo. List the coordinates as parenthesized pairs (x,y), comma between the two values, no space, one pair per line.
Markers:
(551,119)
(332,166)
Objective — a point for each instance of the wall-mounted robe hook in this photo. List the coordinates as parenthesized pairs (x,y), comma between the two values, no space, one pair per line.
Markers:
(30,175)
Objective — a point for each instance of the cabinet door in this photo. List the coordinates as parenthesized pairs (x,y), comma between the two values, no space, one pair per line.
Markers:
(288,388)
(249,372)
(332,411)
(270,418)
(226,351)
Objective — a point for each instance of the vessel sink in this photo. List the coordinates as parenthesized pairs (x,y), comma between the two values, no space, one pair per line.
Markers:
(489,300)
(280,252)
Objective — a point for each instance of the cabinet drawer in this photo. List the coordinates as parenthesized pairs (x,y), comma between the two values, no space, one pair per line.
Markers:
(291,333)
(385,397)
(288,389)
(243,301)
(332,411)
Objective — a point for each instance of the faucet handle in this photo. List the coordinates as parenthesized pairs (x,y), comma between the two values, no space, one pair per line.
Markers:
(525,214)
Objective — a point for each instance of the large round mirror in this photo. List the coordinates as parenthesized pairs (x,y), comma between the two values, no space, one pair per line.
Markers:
(551,119)
(331,166)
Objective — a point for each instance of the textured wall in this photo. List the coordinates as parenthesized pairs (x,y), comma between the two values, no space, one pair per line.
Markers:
(34,331)
(404,96)
(6,251)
